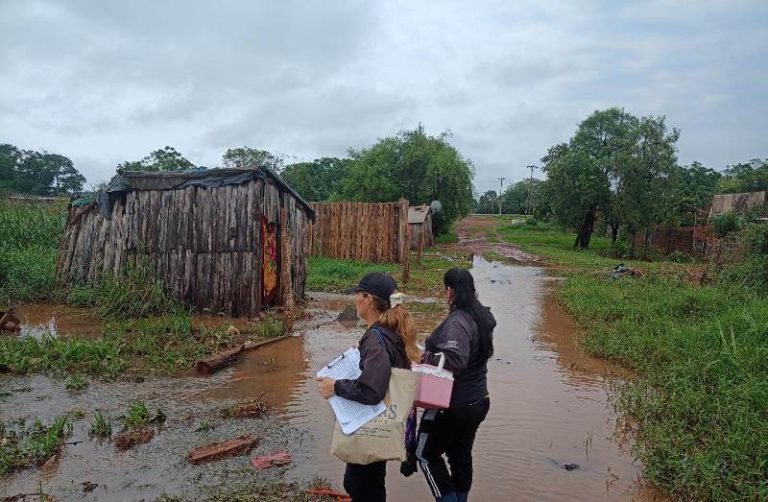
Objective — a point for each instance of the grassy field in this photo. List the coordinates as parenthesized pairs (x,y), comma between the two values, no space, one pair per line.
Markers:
(700,402)
(332,275)
(29,240)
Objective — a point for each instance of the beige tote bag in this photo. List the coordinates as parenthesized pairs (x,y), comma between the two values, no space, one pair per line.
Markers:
(383,438)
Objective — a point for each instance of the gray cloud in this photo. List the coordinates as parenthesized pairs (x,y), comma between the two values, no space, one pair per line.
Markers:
(105,82)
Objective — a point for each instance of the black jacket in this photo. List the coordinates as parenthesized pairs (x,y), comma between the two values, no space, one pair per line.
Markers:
(457,337)
(378,355)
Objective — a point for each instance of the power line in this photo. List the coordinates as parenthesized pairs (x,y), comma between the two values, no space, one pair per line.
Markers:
(529,206)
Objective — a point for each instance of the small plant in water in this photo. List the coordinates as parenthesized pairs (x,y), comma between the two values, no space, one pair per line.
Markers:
(136,416)
(76,383)
(101,427)
(204,426)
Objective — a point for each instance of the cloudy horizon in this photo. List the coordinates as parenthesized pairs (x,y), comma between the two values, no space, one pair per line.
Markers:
(106,82)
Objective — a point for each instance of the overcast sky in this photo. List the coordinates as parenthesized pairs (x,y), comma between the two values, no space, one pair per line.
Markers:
(104,82)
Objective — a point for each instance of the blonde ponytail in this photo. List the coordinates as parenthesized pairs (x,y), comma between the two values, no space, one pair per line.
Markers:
(399,320)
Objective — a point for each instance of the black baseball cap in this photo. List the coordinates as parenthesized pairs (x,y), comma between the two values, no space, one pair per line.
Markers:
(378,284)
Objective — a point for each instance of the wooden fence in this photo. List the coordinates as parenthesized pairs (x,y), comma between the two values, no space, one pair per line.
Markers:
(375,232)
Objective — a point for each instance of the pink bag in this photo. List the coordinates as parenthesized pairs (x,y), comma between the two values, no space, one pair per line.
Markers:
(435,385)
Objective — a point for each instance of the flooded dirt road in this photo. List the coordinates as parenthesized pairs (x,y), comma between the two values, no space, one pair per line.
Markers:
(549,405)
(549,409)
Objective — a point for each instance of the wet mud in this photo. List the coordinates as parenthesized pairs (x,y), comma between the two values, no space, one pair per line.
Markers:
(551,433)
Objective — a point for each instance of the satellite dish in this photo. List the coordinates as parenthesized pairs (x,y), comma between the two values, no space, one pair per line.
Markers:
(436,207)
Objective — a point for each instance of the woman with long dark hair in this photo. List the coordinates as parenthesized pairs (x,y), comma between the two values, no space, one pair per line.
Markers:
(466,339)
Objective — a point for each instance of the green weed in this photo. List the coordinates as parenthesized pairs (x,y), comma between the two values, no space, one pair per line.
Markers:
(22,445)
(76,383)
(101,427)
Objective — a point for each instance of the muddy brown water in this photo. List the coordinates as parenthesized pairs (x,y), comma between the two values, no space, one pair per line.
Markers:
(549,407)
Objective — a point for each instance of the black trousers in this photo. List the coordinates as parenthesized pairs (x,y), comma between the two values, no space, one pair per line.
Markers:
(365,483)
(450,432)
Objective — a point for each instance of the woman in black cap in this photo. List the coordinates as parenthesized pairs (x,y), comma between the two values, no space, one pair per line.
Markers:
(389,342)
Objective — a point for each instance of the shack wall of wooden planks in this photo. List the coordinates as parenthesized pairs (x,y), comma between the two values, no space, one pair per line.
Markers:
(205,243)
(373,232)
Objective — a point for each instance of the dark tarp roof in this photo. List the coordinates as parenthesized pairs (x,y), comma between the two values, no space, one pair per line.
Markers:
(172,180)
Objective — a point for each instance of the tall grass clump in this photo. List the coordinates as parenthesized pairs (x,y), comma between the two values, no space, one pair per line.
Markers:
(135,293)
(29,239)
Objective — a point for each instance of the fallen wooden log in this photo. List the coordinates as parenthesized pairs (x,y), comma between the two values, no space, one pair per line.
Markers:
(218,361)
(232,447)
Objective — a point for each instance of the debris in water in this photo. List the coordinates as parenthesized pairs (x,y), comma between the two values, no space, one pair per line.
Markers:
(130,438)
(9,323)
(571,467)
(218,361)
(255,408)
(230,448)
(31,497)
(349,314)
(88,487)
(274,460)
(327,492)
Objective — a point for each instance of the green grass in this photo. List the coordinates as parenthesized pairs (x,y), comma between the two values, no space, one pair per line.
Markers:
(556,246)
(76,383)
(23,445)
(164,345)
(29,239)
(327,274)
(701,399)
(448,237)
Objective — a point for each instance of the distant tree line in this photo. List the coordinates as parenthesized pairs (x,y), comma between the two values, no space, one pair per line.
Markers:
(37,173)
(412,165)
(622,171)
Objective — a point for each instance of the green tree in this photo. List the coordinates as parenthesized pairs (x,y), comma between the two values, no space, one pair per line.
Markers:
(246,157)
(415,166)
(164,159)
(749,176)
(318,180)
(10,157)
(514,200)
(578,188)
(37,173)
(488,203)
(615,165)
(688,190)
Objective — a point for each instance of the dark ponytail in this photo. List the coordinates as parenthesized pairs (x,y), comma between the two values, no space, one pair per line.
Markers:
(465,298)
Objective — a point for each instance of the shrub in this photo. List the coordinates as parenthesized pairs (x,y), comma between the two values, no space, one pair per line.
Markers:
(726,223)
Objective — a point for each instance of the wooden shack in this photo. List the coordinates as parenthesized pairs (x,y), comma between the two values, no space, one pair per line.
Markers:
(227,240)
(420,221)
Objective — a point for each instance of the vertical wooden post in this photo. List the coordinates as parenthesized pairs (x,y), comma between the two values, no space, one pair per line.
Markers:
(405,241)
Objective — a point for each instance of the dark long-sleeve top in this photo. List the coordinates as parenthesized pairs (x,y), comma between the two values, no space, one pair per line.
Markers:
(379,353)
(457,337)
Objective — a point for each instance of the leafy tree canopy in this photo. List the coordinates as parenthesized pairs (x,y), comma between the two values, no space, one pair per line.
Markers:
(164,159)
(37,173)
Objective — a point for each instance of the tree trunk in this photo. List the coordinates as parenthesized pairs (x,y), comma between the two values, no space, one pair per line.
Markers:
(614,232)
(585,230)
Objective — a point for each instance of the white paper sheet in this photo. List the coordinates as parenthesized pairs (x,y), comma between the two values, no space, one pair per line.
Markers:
(351,415)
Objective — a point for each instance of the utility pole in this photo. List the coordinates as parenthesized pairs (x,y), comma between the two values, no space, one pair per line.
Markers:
(529,206)
(501,188)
